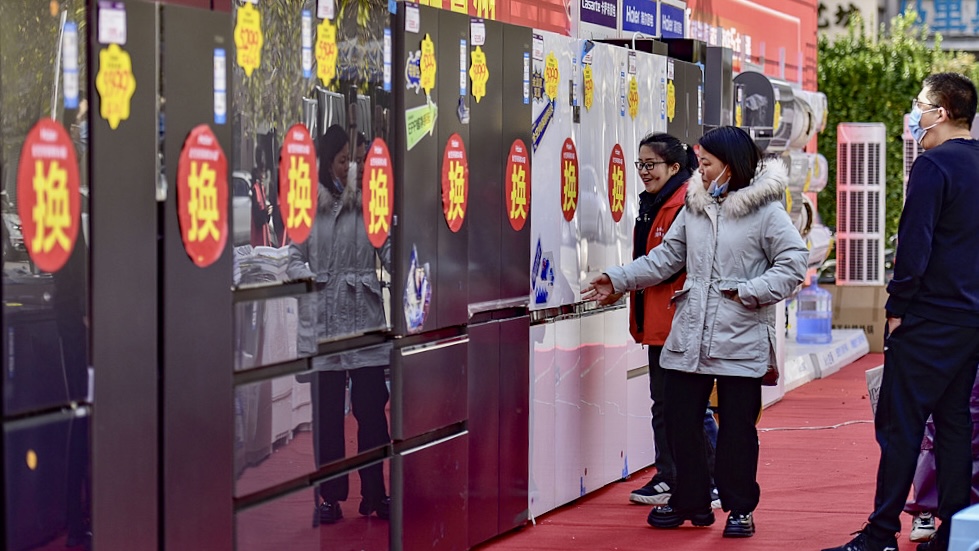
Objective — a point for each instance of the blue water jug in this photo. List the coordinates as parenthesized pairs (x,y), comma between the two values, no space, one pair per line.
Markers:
(814,316)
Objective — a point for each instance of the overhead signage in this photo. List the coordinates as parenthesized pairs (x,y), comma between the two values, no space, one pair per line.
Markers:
(671,21)
(639,16)
(599,12)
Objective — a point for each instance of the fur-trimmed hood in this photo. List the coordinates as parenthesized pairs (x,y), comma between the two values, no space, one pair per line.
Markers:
(766,187)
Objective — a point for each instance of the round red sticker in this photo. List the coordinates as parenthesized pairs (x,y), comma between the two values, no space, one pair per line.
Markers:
(569,179)
(616,182)
(202,196)
(298,183)
(518,185)
(455,182)
(377,190)
(48,198)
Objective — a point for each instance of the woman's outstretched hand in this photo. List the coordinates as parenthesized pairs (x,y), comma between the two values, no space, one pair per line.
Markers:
(599,289)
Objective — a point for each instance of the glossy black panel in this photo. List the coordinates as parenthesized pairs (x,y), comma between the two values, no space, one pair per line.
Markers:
(677,126)
(514,422)
(694,79)
(429,387)
(452,282)
(418,204)
(124,309)
(197,420)
(288,427)
(287,523)
(486,165)
(47,482)
(484,431)
(515,244)
(430,515)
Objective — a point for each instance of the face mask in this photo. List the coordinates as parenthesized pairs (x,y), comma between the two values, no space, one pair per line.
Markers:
(717,189)
(914,123)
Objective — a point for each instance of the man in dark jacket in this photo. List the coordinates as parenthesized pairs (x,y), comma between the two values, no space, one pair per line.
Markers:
(933,307)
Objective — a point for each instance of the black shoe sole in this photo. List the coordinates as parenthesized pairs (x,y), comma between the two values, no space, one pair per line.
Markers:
(675,520)
(739,532)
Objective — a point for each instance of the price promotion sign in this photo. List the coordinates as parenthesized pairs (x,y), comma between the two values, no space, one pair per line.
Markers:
(298,183)
(248,38)
(518,185)
(115,84)
(377,189)
(326,52)
(48,198)
(455,182)
(202,196)
(616,182)
(569,179)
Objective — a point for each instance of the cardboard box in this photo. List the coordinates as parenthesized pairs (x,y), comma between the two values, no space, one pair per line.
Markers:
(860,307)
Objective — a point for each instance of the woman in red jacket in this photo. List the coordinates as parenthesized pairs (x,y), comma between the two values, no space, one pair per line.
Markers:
(665,164)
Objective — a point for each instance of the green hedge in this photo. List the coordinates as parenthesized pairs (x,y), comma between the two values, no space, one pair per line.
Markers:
(874,81)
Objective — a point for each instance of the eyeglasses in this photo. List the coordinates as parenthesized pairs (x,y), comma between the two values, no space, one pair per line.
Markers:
(640,166)
(916,102)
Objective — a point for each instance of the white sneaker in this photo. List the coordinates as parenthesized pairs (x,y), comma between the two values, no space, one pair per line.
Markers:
(715,499)
(922,527)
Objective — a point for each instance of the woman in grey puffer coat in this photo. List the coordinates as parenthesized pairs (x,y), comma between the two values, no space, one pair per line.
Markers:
(340,259)
(742,255)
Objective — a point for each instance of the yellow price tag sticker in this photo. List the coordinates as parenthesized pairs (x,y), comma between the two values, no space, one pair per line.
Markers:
(115,83)
(479,73)
(428,64)
(589,87)
(326,52)
(633,97)
(248,38)
(777,120)
(552,76)
(670,101)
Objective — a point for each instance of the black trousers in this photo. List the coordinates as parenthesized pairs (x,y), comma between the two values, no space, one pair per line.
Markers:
(738,401)
(665,465)
(929,369)
(368,398)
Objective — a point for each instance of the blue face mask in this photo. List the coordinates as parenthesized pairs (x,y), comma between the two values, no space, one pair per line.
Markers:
(914,123)
(717,189)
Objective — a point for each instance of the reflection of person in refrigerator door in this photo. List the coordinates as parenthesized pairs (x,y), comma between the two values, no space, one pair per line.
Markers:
(341,260)
(743,256)
(933,305)
(360,155)
(665,165)
(261,206)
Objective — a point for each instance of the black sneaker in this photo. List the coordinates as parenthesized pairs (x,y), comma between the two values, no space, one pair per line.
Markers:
(665,517)
(866,542)
(938,542)
(739,525)
(380,506)
(656,492)
(327,513)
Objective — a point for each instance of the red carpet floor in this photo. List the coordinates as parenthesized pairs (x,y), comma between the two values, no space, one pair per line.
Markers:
(816,471)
